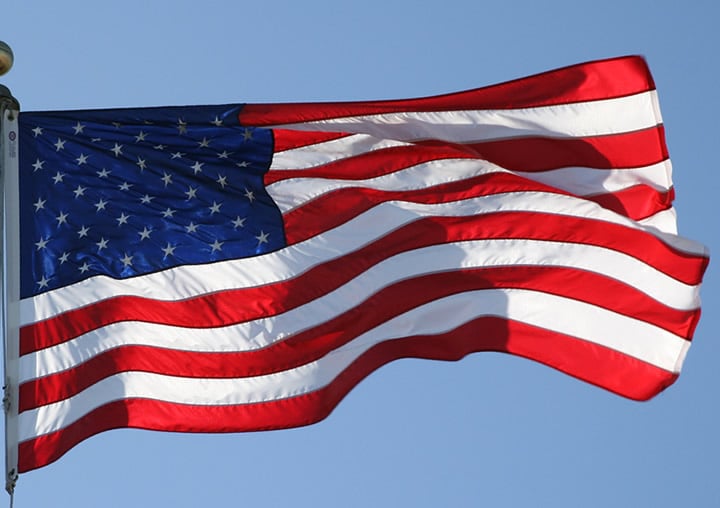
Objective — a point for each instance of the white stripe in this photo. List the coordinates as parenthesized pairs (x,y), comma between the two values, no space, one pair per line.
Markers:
(582,181)
(594,118)
(329,151)
(293,193)
(592,324)
(589,181)
(189,281)
(664,221)
(261,333)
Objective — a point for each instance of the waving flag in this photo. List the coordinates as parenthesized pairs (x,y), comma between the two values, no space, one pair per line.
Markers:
(234,268)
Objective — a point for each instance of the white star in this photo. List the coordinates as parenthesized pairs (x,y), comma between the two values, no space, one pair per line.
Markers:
(222,180)
(215,208)
(223,155)
(122,219)
(37,131)
(104,173)
(177,155)
(242,164)
(117,125)
(43,283)
(216,246)
(204,143)
(197,167)
(239,222)
(146,199)
(59,145)
(78,128)
(168,213)
(167,178)
(140,137)
(191,192)
(141,163)
(58,178)
(182,126)
(124,186)
(38,165)
(83,232)
(42,243)
(102,244)
(39,204)
(262,238)
(100,205)
(117,149)
(82,159)
(145,233)
(216,122)
(247,134)
(62,218)
(85,267)
(80,191)
(159,147)
(169,250)
(250,195)
(126,260)
(63,259)
(191,228)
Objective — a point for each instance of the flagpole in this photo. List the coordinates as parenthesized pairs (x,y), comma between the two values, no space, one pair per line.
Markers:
(9,295)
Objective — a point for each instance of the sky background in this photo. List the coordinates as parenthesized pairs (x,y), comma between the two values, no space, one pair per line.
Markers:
(490,430)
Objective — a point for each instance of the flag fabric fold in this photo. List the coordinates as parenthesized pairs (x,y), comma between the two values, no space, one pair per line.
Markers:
(242,267)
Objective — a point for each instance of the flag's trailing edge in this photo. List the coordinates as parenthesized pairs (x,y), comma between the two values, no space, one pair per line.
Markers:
(235,268)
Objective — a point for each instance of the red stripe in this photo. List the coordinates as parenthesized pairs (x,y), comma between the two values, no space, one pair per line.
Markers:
(323,213)
(373,164)
(221,309)
(287,139)
(591,81)
(616,151)
(606,368)
(637,203)
(314,343)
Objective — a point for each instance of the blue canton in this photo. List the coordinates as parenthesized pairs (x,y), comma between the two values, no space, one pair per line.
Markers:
(127,192)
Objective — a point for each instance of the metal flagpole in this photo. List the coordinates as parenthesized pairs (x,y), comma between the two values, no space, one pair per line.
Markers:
(9,223)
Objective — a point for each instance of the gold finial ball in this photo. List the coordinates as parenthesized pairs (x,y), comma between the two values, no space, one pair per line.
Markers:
(6,58)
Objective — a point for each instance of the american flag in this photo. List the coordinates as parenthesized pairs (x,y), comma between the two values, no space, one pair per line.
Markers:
(234,268)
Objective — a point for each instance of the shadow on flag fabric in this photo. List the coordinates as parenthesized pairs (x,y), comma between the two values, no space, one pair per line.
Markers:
(242,267)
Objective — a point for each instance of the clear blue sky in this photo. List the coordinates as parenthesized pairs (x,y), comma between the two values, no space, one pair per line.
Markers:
(490,430)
